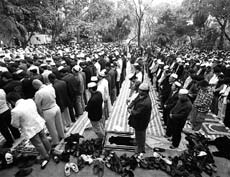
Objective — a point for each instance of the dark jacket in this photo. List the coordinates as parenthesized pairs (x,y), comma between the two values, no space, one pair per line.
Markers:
(94,106)
(71,85)
(181,110)
(141,113)
(171,101)
(61,92)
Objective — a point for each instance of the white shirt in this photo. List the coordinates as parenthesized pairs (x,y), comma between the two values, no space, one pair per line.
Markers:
(214,80)
(26,117)
(98,66)
(3,105)
(139,76)
(103,87)
(187,82)
(45,97)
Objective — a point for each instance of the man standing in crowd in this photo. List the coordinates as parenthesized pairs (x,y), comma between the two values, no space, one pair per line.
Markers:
(62,98)
(6,128)
(31,124)
(140,112)
(169,104)
(45,100)
(72,90)
(94,109)
(178,116)
(80,104)
(201,105)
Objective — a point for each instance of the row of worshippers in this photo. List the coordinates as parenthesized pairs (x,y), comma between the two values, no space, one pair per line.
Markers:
(189,70)
(59,89)
(206,83)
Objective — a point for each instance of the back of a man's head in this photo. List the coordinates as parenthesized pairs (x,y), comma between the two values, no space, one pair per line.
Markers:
(13,97)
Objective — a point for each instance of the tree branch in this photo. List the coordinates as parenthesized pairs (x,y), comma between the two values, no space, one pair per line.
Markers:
(223,28)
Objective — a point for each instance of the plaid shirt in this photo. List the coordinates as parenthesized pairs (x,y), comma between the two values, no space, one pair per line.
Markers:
(203,100)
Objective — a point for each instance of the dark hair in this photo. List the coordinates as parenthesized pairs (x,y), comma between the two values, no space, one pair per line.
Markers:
(13,96)
(94,88)
(7,75)
(203,83)
(52,77)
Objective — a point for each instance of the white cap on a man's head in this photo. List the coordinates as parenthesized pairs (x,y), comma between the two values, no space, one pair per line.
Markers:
(76,68)
(178,84)
(94,79)
(60,68)
(92,84)
(102,73)
(174,75)
(144,86)
(166,67)
(183,91)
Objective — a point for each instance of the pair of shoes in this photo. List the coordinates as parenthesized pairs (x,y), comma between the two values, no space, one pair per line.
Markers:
(23,172)
(127,173)
(56,159)
(44,163)
(98,168)
(87,158)
(70,166)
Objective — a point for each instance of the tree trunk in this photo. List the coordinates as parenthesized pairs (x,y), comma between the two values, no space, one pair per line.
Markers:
(223,28)
(221,42)
(191,43)
(25,42)
(139,32)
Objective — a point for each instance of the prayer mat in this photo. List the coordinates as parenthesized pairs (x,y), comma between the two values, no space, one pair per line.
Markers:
(118,121)
(119,141)
(213,128)
(161,142)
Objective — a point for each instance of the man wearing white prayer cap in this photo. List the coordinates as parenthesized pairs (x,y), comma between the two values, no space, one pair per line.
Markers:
(178,116)
(94,109)
(140,111)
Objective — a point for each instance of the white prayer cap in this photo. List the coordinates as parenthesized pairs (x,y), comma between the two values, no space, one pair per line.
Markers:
(174,75)
(94,79)
(91,85)
(144,86)
(102,73)
(60,68)
(178,84)
(76,68)
(166,67)
(183,91)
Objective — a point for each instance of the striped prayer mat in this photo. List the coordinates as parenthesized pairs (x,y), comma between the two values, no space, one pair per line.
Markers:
(118,121)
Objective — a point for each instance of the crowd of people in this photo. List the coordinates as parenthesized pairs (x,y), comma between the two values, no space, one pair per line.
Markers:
(51,87)
(190,85)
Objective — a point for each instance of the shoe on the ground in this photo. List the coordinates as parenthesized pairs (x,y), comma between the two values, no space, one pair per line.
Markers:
(67,169)
(23,172)
(74,167)
(44,163)
(56,159)
(98,168)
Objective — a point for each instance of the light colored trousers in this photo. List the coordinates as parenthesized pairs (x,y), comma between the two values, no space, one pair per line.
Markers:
(98,128)
(42,144)
(66,117)
(54,124)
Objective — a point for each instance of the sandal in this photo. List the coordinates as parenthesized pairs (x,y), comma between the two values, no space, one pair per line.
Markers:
(44,163)
(74,167)
(67,169)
